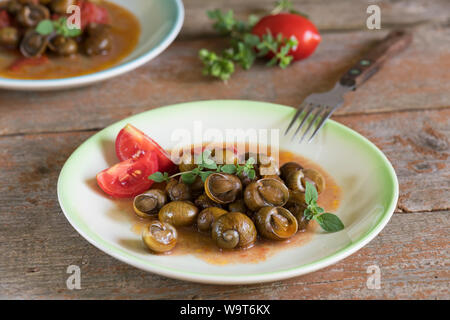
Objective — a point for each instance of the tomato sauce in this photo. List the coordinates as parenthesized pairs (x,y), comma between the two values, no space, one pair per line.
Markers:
(191,241)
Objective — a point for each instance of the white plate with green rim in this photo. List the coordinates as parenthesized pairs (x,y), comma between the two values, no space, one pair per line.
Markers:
(161,21)
(367,180)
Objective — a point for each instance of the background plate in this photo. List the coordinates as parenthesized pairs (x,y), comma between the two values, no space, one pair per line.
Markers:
(161,21)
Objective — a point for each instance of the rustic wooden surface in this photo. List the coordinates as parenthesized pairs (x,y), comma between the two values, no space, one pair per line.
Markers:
(404,110)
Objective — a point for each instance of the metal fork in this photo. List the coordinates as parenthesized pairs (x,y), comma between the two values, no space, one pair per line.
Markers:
(317,108)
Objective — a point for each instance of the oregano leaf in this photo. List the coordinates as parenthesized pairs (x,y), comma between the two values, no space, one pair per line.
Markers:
(189,177)
(158,177)
(229,168)
(330,222)
(311,195)
(45,27)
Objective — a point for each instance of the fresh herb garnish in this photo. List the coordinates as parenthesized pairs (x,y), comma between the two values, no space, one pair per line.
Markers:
(279,47)
(47,27)
(247,169)
(286,6)
(206,166)
(328,221)
(216,66)
(245,47)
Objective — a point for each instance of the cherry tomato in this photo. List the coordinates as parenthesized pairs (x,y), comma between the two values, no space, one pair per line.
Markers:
(92,13)
(128,178)
(133,143)
(5,19)
(291,25)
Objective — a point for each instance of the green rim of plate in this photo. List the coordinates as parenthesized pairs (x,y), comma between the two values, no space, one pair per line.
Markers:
(387,174)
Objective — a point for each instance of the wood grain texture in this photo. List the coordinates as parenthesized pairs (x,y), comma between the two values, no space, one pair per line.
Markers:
(329,16)
(417,144)
(37,243)
(412,253)
(403,109)
(416,79)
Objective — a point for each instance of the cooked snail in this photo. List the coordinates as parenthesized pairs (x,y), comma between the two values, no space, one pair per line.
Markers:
(98,41)
(207,216)
(9,36)
(275,223)
(63,46)
(234,230)
(295,181)
(13,7)
(298,212)
(237,206)
(223,188)
(288,168)
(297,198)
(149,203)
(265,192)
(33,44)
(203,202)
(160,236)
(224,156)
(264,164)
(178,190)
(315,178)
(178,213)
(61,6)
(273,176)
(31,14)
(187,162)
(197,188)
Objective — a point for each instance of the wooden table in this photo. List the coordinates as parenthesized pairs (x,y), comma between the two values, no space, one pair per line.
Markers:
(404,110)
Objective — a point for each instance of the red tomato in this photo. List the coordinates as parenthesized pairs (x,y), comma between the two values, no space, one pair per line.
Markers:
(133,143)
(291,25)
(23,62)
(128,178)
(92,13)
(5,20)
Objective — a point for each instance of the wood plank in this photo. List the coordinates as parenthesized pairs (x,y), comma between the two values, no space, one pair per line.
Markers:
(416,79)
(37,243)
(412,254)
(329,16)
(417,144)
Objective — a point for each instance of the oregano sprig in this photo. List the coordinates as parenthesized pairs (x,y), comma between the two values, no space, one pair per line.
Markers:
(245,47)
(206,166)
(237,169)
(47,27)
(328,221)
(279,47)
(286,6)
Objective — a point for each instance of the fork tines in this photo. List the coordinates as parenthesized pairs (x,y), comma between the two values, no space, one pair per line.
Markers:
(309,112)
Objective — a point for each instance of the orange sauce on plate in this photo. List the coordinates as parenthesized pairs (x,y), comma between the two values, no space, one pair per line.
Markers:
(191,241)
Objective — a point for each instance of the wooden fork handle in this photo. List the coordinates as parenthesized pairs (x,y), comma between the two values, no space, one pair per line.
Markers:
(395,42)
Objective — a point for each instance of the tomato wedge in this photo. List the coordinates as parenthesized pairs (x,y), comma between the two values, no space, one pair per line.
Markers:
(131,143)
(128,178)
